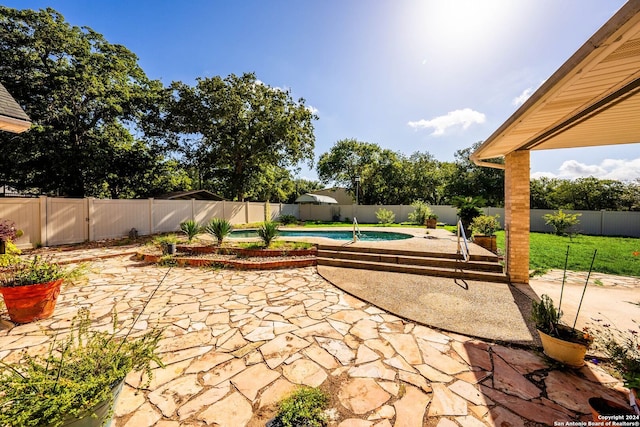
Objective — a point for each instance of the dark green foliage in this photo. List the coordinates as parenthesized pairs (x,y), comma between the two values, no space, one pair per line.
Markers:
(191,229)
(305,407)
(468,209)
(219,228)
(85,96)
(287,219)
(74,376)
(268,231)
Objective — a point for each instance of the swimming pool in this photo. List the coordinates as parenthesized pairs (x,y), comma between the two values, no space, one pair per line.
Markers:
(367,236)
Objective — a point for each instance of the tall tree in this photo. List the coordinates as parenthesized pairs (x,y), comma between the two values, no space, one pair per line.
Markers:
(79,90)
(233,128)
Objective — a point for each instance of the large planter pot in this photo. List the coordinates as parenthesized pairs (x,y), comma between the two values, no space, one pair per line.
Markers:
(431,222)
(103,412)
(566,352)
(32,302)
(487,242)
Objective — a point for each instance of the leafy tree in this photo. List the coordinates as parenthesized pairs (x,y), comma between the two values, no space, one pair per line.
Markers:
(83,95)
(472,180)
(236,130)
(561,221)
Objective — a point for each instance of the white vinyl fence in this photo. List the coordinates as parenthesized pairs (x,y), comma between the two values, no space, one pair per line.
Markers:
(55,221)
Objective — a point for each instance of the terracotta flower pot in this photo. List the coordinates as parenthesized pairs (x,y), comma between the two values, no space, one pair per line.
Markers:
(32,302)
(487,242)
(566,352)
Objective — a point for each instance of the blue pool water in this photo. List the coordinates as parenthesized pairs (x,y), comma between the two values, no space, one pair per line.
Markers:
(367,236)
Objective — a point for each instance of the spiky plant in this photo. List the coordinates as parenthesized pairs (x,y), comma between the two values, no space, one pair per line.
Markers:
(268,231)
(191,229)
(219,228)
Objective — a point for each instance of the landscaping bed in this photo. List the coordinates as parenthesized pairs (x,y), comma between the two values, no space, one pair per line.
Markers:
(232,257)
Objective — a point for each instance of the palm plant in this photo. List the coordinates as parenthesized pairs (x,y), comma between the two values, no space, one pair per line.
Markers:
(191,229)
(219,228)
(268,231)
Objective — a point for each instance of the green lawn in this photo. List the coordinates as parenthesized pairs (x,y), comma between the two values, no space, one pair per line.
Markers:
(616,255)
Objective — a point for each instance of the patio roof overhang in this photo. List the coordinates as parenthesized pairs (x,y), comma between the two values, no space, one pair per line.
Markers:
(593,99)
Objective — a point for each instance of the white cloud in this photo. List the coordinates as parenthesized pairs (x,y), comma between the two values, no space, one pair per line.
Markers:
(620,169)
(465,118)
(312,109)
(520,99)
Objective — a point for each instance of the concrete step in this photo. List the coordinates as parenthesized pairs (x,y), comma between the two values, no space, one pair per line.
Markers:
(358,249)
(460,273)
(413,260)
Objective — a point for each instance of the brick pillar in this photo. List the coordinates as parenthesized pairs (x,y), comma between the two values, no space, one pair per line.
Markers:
(517,215)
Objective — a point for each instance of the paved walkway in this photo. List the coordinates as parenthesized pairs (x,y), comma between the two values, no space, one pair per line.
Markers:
(236,342)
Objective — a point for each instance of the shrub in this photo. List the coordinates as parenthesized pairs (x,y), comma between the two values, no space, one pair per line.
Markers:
(385,216)
(267,232)
(421,213)
(8,230)
(561,221)
(191,229)
(485,225)
(219,228)
(468,208)
(287,219)
(304,407)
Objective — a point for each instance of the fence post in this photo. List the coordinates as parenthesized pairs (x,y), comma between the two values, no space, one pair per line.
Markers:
(151,227)
(193,209)
(44,234)
(90,214)
(246,212)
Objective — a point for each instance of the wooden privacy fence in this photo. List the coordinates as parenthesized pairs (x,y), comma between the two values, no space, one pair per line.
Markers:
(52,221)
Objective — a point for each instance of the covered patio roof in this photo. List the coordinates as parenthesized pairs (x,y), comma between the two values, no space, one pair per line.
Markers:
(12,116)
(316,198)
(592,99)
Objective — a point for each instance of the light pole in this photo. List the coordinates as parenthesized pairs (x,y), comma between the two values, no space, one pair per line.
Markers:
(357,187)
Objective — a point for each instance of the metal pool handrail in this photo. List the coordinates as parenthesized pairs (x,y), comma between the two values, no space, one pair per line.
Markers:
(462,248)
(356,230)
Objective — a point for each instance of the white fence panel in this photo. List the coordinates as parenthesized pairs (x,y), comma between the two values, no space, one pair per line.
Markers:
(168,214)
(621,223)
(235,212)
(25,213)
(205,211)
(255,212)
(111,219)
(67,221)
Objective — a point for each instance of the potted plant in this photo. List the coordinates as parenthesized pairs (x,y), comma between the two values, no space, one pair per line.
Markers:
(30,289)
(431,220)
(167,243)
(77,382)
(622,349)
(560,342)
(484,229)
(468,208)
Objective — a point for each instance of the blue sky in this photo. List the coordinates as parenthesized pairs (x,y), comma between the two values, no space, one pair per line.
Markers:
(408,75)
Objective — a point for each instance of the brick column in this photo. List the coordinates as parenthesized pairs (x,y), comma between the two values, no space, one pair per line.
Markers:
(517,215)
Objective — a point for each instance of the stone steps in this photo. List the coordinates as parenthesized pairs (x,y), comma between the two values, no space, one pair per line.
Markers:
(479,267)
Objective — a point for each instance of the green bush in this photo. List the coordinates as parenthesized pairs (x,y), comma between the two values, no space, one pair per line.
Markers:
(561,221)
(191,229)
(485,225)
(421,213)
(304,407)
(219,228)
(267,232)
(385,216)
(468,208)
(287,219)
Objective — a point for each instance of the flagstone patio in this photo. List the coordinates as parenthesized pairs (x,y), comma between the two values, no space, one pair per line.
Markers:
(236,342)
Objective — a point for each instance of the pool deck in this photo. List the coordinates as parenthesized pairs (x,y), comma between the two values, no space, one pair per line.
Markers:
(236,342)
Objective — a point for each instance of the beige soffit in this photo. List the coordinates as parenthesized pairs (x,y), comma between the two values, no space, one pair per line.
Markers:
(592,99)
(12,116)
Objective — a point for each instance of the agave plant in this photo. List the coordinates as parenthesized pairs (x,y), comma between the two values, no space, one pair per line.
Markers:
(191,229)
(268,231)
(219,228)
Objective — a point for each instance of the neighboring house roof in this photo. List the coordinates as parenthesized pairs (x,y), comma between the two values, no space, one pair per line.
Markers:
(193,194)
(12,116)
(316,198)
(592,99)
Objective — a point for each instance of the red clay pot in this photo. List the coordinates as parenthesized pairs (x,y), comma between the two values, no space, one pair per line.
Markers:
(32,302)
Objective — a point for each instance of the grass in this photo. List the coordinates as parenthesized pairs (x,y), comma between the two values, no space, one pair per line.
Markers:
(616,255)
